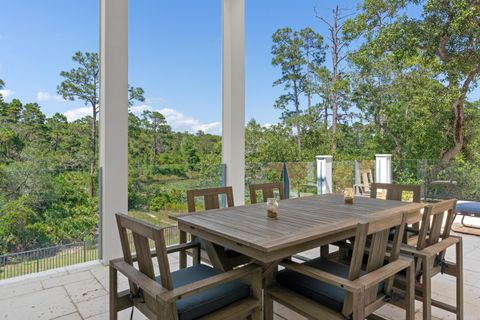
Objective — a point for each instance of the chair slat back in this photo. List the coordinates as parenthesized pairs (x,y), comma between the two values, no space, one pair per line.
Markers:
(210,197)
(395,191)
(267,190)
(374,234)
(435,217)
(143,233)
(366,177)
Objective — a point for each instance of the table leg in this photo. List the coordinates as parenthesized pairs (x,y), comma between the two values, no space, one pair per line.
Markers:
(269,272)
(183,253)
(217,256)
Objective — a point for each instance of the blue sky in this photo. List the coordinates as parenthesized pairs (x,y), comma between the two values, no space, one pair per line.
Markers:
(174,53)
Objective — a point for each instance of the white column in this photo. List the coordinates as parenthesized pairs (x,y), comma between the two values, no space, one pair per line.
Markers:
(324,174)
(233,96)
(113,121)
(383,168)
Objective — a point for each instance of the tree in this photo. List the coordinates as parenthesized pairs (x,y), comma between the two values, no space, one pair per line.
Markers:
(443,43)
(155,122)
(299,54)
(337,44)
(83,83)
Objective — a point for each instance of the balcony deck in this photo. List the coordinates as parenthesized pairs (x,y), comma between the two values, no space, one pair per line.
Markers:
(81,292)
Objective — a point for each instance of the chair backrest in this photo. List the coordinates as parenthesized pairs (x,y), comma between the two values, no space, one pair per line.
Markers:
(142,234)
(210,196)
(366,177)
(436,224)
(267,190)
(395,191)
(374,236)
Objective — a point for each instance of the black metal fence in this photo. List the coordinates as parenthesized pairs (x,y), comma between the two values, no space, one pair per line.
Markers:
(43,259)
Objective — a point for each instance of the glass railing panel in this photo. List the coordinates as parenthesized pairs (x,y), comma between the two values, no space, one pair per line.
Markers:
(343,175)
(302,178)
(256,173)
(155,193)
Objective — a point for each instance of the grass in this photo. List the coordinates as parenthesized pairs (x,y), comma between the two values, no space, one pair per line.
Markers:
(160,218)
(70,256)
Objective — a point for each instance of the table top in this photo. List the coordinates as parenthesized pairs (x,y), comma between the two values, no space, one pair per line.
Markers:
(299,220)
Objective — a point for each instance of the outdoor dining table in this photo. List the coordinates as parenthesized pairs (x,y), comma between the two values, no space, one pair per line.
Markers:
(302,224)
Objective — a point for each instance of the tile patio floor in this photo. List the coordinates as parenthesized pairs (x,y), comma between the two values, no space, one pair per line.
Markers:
(81,293)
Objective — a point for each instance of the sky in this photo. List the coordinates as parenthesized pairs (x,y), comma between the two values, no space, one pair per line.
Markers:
(174,53)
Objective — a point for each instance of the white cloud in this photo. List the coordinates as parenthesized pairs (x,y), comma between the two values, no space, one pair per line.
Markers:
(177,120)
(181,122)
(45,96)
(139,109)
(78,113)
(6,93)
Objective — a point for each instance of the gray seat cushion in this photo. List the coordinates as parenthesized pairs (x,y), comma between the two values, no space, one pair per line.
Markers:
(321,292)
(208,301)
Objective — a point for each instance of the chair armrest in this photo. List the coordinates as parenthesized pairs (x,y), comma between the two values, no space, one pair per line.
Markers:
(441,245)
(170,249)
(387,271)
(431,250)
(251,273)
(323,276)
(406,249)
(148,285)
(413,230)
(182,247)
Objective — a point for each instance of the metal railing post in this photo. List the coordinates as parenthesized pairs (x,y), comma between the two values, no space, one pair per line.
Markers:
(84,251)
(286,180)
(38,261)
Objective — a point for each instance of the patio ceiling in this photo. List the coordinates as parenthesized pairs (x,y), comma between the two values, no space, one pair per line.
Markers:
(113,194)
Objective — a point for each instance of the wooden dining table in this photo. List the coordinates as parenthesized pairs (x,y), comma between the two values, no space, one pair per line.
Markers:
(302,224)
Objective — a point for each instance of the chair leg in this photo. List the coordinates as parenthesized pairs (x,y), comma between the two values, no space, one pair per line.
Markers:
(256,314)
(359,306)
(410,292)
(267,307)
(427,288)
(113,293)
(324,251)
(459,284)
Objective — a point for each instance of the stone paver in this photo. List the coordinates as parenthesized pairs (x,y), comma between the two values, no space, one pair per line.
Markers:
(93,307)
(66,279)
(72,316)
(85,290)
(20,289)
(42,305)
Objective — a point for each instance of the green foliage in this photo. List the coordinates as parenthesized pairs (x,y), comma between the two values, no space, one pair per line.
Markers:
(405,92)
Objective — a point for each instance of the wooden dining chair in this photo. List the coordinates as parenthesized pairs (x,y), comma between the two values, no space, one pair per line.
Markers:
(267,190)
(326,289)
(196,292)
(395,191)
(212,200)
(366,179)
(429,252)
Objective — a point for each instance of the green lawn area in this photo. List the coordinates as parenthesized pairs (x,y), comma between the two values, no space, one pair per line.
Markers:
(160,218)
(70,256)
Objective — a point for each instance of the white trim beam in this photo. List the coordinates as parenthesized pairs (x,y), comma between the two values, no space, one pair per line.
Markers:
(233,95)
(113,121)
